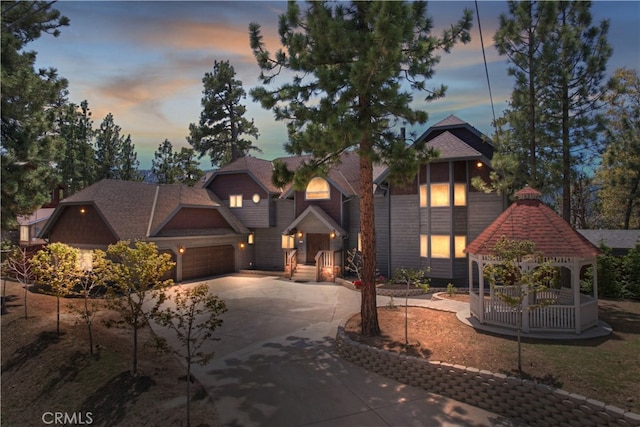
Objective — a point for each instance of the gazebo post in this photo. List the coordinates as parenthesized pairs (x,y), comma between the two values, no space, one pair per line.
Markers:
(481,291)
(575,287)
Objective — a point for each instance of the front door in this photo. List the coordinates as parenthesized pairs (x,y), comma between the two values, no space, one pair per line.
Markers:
(315,243)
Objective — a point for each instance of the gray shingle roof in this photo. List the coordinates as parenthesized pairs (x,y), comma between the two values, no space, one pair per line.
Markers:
(615,239)
(451,147)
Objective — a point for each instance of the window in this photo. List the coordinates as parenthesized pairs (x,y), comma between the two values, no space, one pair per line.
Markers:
(440,195)
(460,244)
(424,246)
(318,189)
(288,242)
(460,194)
(235,201)
(24,233)
(423,196)
(359,242)
(440,247)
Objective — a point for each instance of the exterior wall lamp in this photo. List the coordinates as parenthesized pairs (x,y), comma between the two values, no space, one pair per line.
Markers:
(300,234)
(332,234)
(242,245)
(83,210)
(479,164)
(181,250)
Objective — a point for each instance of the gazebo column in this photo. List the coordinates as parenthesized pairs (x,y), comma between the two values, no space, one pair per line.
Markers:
(575,287)
(481,291)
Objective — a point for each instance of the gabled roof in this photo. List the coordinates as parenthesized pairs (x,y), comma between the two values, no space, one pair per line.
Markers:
(321,215)
(259,169)
(530,219)
(40,215)
(135,210)
(451,148)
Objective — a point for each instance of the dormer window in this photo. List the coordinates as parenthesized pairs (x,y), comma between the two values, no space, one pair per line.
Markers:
(318,189)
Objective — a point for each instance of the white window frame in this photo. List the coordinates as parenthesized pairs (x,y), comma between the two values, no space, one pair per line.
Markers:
(324,194)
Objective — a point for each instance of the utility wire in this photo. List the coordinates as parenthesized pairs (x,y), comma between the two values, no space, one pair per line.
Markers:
(486,69)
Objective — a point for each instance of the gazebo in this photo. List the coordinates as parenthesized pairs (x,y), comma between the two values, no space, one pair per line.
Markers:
(567,309)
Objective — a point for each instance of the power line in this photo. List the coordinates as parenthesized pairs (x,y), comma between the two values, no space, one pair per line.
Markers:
(486,69)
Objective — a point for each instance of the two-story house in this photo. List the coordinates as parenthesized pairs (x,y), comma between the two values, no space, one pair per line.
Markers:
(241,220)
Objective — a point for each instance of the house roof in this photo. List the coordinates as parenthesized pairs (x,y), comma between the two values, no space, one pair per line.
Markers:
(528,218)
(259,169)
(453,148)
(137,210)
(39,215)
(615,239)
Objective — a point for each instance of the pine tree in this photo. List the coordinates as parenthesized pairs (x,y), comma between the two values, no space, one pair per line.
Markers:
(77,164)
(222,124)
(128,168)
(188,166)
(349,63)
(115,154)
(29,99)
(619,173)
(163,163)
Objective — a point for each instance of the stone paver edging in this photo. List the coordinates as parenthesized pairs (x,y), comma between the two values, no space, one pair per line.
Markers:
(512,397)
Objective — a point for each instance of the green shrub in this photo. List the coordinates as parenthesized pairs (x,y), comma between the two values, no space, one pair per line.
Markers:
(630,281)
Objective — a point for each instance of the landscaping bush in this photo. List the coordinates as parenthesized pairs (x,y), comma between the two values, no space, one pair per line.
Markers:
(618,277)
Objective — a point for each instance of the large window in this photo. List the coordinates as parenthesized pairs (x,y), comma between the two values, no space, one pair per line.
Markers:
(423,196)
(440,246)
(440,195)
(318,189)
(235,201)
(24,233)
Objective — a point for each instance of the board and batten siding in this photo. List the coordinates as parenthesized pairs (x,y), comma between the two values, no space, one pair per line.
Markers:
(381,209)
(405,232)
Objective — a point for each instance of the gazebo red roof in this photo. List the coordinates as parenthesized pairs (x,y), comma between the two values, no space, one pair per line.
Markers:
(528,218)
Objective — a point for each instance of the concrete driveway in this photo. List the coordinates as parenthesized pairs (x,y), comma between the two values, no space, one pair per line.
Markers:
(276,365)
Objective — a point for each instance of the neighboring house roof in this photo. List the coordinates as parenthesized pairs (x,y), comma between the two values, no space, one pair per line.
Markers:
(40,215)
(615,239)
(137,210)
(451,148)
(528,218)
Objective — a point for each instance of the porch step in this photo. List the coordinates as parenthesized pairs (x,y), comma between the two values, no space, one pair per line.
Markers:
(304,273)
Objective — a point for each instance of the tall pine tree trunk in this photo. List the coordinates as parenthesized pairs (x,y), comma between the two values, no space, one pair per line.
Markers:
(566,156)
(368,307)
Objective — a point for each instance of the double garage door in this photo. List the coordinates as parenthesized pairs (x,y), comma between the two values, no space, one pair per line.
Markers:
(207,261)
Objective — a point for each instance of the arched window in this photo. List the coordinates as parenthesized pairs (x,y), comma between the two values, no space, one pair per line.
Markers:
(318,189)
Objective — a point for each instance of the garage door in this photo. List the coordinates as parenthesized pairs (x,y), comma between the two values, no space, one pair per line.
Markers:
(207,261)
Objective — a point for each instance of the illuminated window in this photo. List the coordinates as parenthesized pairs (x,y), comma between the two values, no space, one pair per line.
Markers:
(235,201)
(85,259)
(318,189)
(424,246)
(359,242)
(288,242)
(439,195)
(460,194)
(460,243)
(440,247)
(423,196)
(24,233)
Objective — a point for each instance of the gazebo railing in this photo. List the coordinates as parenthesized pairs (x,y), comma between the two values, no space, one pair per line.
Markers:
(553,317)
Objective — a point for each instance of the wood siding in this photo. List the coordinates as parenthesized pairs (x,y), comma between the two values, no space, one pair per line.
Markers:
(333,206)
(381,208)
(405,232)
(483,209)
(268,241)
(88,228)
(252,215)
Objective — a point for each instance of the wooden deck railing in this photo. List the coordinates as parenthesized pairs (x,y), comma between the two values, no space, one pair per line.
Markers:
(325,259)
(290,262)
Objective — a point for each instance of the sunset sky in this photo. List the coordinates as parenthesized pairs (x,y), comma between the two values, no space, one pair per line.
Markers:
(144,62)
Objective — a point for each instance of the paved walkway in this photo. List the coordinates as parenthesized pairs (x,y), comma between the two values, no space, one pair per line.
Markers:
(276,365)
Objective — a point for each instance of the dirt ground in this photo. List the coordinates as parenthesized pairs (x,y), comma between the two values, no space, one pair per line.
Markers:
(606,369)
(44,374)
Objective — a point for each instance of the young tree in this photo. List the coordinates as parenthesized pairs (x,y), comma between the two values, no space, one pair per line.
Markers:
(134,273)
(193,317)
(57,268)
(513,282)
(222,123)
(349,63)
(77,163)
(410,277)
(28,103)
(619,174)
(18,264)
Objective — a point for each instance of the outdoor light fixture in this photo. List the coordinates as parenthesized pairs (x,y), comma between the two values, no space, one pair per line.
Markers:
(250,238)
(332,234)
(242,245)
(300,234)
(479,164)
(83,210)
(181,250)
